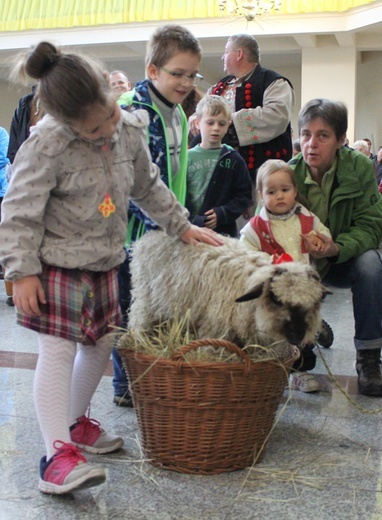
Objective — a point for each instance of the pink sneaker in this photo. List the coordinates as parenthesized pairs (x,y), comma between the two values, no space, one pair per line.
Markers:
(89,436)
(67,471)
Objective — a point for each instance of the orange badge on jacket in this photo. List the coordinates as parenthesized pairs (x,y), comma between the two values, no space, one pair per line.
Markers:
(106,207)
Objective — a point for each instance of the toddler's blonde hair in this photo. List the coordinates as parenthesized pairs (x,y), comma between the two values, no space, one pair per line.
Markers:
(272,166)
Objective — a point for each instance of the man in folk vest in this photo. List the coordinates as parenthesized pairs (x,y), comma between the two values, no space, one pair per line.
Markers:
(261,101)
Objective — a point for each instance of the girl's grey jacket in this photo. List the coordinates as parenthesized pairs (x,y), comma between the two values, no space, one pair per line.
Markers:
(59,205)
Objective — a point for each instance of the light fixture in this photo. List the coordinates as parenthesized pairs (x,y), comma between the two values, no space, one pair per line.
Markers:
(250,9)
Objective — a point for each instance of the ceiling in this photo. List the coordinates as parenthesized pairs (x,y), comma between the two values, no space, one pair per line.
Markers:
(281,38)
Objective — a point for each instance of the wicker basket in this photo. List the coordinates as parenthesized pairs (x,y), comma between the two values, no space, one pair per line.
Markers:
(8,285)
(201,417)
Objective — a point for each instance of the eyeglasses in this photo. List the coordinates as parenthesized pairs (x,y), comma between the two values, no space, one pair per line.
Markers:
(195,79)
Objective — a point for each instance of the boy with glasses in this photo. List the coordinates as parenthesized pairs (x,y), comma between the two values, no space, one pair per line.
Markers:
(172,67)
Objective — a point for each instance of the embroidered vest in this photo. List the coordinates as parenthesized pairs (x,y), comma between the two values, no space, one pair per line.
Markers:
(268,243)
(250,95)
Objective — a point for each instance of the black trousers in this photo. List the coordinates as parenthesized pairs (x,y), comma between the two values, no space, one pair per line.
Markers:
(307,360)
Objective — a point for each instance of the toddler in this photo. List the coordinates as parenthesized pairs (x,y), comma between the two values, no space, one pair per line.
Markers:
(283,226)
(287,231)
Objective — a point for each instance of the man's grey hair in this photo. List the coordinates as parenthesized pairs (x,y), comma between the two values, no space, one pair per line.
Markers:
(248,44)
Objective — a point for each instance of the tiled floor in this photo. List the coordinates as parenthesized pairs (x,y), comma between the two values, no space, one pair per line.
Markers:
(323,460)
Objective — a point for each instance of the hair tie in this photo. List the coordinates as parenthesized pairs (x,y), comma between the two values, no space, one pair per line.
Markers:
(49,63)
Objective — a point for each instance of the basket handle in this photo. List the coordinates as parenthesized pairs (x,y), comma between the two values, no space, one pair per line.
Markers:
(179,354)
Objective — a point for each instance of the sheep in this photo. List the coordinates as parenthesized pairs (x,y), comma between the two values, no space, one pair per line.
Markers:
(230,292)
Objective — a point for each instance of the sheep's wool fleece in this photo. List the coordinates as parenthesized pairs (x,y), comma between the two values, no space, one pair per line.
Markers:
(170,277)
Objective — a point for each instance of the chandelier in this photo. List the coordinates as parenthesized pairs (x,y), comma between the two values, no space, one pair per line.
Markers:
(250,9)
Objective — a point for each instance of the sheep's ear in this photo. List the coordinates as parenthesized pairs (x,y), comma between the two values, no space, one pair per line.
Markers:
(252,294)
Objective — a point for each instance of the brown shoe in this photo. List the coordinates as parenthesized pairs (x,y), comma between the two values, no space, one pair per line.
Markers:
(125,401)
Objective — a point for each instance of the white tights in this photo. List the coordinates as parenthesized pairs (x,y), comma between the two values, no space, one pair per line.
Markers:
(64,383)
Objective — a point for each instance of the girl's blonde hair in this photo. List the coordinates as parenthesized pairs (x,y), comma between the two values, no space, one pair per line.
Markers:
(272,166)
(68,84)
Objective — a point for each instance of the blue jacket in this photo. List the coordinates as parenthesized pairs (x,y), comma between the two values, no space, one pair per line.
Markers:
(139,98)
(4,141)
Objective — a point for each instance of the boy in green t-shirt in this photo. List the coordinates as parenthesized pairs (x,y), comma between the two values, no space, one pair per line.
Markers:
(219,187)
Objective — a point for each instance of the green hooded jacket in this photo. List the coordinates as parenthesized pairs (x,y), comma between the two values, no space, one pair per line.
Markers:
(355,208)
(139,98)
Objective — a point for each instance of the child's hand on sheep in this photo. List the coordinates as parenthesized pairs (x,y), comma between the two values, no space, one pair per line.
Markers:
(194,235)
(320,245)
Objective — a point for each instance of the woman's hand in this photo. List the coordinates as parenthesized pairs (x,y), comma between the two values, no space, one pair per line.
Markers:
(27,294)
(325,248)
(194,235)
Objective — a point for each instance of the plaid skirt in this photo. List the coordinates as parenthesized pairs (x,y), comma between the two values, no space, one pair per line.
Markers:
(82,306)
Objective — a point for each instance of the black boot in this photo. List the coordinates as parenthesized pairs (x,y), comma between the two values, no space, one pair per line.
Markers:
(307,360)
(369,372)
(325,337)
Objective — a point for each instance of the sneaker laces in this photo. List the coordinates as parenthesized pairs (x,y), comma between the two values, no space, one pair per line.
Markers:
(85,425)
(67,451)
(305,376)
(302,378)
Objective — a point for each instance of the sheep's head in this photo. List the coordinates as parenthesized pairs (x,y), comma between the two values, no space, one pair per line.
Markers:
(288,303)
